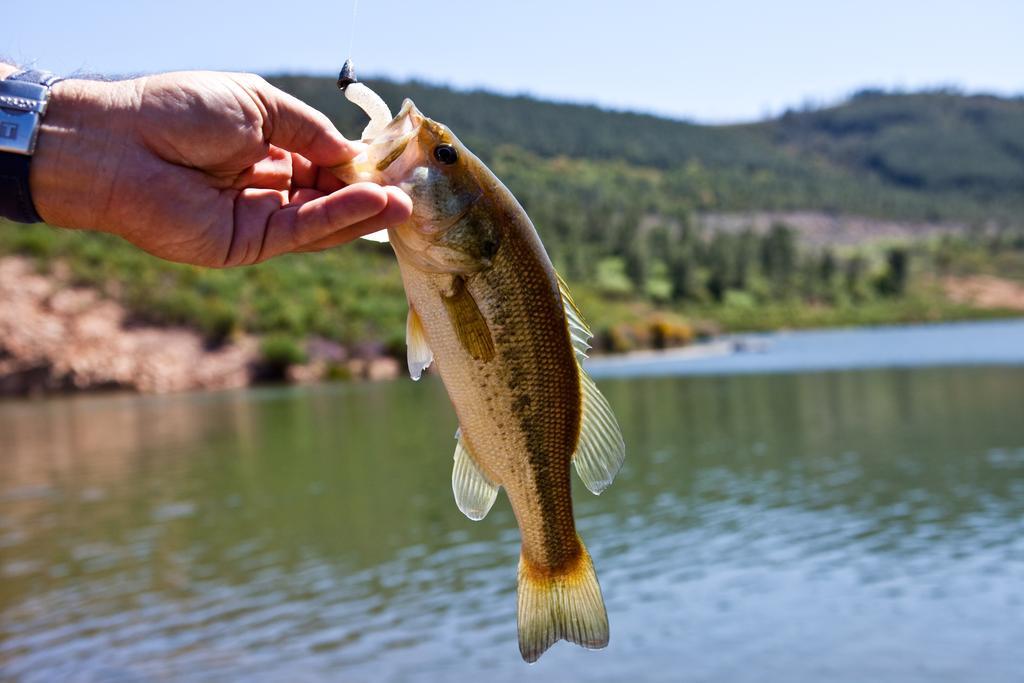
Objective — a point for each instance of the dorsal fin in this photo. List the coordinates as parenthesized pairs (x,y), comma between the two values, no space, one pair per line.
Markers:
(600,450)
(474,492)
(579,333)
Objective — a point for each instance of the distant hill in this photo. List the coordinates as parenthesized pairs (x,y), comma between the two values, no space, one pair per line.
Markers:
(932,141)
(918,156)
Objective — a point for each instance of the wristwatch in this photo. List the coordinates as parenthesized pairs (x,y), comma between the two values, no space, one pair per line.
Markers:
(23,99)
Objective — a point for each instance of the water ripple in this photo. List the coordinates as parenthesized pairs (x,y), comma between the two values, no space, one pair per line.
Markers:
(878,541)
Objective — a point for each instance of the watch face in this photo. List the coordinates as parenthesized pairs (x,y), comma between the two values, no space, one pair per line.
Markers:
(18,131)
(21,107)
(9,130)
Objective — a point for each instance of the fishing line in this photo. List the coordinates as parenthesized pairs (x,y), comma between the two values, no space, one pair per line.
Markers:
(352,28)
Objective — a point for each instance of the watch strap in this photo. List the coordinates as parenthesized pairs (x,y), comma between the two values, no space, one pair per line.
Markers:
(24,101)
(36,76)
(15,195)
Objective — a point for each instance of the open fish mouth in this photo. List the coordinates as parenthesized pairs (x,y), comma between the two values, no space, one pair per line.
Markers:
(377,162)
(396,136)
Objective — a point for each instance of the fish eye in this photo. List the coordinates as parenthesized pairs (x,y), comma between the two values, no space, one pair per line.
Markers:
(446,154)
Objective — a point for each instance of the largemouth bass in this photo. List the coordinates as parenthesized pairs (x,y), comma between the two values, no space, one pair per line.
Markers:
(487,308)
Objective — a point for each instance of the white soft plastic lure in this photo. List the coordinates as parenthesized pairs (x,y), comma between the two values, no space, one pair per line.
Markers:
(376,108)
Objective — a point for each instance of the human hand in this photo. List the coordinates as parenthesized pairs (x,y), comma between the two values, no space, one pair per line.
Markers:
(213,169)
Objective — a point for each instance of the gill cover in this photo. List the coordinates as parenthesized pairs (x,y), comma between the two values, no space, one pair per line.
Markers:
(447,233)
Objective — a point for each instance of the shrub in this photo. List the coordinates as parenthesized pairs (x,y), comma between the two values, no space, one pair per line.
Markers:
(278,351)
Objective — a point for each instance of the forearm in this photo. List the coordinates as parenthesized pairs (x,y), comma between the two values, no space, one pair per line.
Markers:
(82,143)
(78,146)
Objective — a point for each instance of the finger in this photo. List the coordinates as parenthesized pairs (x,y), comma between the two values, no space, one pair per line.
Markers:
(252,212)
(307,174)
(274,172)
(327,181)
(397,211)
(304,194)
(297,127)
(296,225)
(304,171)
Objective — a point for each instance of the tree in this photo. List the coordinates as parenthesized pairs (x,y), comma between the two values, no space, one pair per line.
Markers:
(682,270)
(637,261)
(894,282)
(779,258)
(855,274)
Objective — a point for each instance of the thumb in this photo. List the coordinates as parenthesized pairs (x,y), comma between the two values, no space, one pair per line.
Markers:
(293,125)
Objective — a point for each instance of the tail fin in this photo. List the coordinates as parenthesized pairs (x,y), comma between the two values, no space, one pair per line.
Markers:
(565,605)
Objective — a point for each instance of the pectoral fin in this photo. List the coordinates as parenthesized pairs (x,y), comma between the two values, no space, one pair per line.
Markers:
(418,353)
(474,492)
(469,323)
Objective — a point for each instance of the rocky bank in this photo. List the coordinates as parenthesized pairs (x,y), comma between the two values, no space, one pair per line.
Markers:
(55,337)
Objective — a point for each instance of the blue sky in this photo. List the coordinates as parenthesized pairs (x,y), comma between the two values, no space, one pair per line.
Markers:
(709,61)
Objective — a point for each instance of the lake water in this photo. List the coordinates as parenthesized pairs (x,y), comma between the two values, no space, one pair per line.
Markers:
(803,526)
(998,342)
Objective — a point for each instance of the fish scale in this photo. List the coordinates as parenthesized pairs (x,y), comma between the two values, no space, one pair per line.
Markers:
(546,400)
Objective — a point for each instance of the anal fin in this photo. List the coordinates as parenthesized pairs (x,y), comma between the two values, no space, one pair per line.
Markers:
(474,492)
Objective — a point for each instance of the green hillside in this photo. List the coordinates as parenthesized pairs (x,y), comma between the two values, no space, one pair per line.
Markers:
(920,156)
(929,142)
(614,196)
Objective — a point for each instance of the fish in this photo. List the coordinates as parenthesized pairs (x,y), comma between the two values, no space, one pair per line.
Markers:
(488,310)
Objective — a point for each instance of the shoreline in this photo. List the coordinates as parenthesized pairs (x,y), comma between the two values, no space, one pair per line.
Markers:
(768,353)
(58,339)
(966,343)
